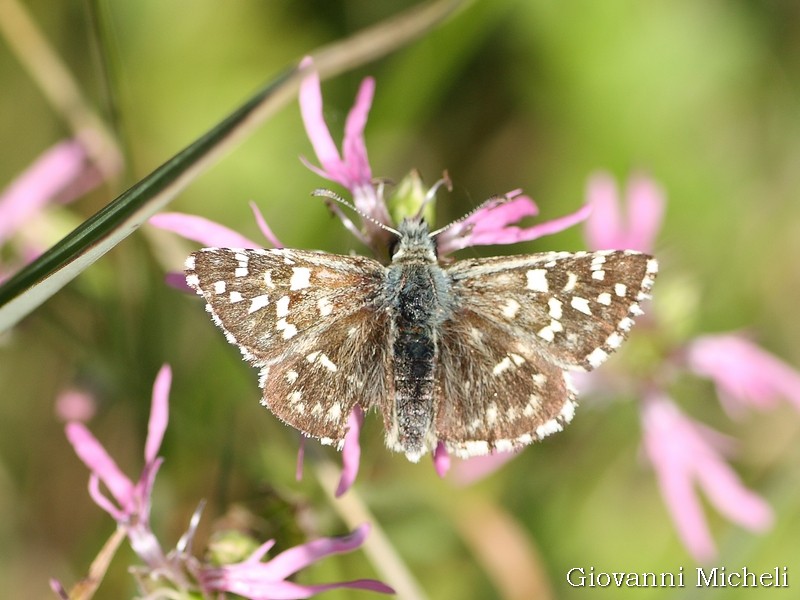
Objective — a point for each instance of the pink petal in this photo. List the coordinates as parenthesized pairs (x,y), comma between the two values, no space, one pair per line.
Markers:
(604,226)
(502,214)
(743,370)
(511,235)
(686,511)
(292,560)
(646,204)
(100,463)
(351,451)
(314,121)
(75,405)
(39,184)
(469,471)
(120,516)
(262,225)
(670,444)
(726,492)
(159,414)
(354,148)
(257,586)
(441,460)
(607,229)
(201,230)
(301,452)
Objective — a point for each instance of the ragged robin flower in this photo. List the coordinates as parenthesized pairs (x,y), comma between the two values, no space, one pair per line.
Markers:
(177,574)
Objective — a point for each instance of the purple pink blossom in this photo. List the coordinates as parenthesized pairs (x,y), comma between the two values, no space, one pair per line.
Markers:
(130,504)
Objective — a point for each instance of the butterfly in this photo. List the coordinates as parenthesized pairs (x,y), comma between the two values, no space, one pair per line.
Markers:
(474,354)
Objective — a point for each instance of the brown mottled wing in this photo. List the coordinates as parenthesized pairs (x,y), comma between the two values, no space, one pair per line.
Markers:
(519,322)
(495,391)
(313,323)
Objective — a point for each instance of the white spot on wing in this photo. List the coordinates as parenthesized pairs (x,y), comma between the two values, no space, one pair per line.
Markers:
(219,287)
(546,333)
(258,303)
(289,330)
(555,308)
(597,356)
(301,278)
(604,298)
(501,366)
(193,281)
(510,309)
(580,304)
(334,412)
(620,289)
(537,280)
(325,307)
(572,279)
(240,272)
(236,297)
(190,262)
(282,307)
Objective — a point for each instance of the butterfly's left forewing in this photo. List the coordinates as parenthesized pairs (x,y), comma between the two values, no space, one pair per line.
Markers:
(313,322)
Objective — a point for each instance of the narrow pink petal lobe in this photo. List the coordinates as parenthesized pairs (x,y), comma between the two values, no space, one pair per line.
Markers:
(94,456)
(203,231)
(351,451)
(159,413)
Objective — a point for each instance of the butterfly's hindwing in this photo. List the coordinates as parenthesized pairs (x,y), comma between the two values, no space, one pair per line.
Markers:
(496,390)
(314,388)
(576,308)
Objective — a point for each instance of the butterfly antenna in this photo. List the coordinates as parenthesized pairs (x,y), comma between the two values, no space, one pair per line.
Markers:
(492,201)
(331,195)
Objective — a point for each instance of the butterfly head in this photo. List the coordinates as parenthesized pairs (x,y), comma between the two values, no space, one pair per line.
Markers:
(414,242)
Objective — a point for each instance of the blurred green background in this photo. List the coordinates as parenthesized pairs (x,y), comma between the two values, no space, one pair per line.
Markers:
(705,96)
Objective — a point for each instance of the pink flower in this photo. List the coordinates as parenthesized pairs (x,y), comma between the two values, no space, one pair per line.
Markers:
(258,580)
(61,174)
(351,451)
(493,223)
(209,233)
(350,168)
(75,405)
(745,374)
(684,452)
(132,508)
(607,229)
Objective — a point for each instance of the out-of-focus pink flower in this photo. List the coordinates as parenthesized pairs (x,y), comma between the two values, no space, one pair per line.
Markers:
(62,173)
(473,469)
(744,373)
(258,580)
(684,453)
(608,229)
(75,405)
(132,508)
(351,450)
(441,460)
(492,223)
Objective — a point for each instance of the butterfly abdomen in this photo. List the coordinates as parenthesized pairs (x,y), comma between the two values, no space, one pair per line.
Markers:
(414,294)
